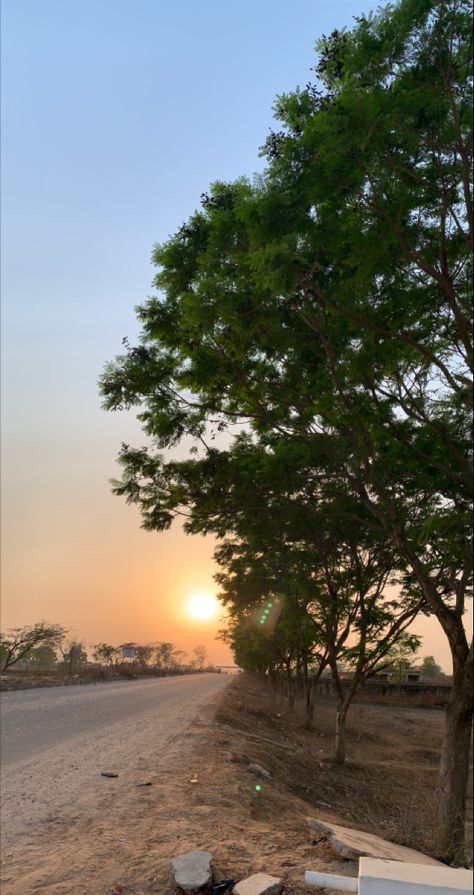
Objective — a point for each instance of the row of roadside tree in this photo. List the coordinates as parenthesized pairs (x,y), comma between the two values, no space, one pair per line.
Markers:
(43,648)
(311,337)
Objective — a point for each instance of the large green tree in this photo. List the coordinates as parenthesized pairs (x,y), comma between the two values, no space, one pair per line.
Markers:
(328,303)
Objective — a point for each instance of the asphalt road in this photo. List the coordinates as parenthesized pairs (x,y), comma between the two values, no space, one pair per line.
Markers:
(35,721)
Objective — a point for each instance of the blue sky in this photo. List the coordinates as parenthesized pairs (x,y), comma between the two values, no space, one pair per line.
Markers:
(116,117)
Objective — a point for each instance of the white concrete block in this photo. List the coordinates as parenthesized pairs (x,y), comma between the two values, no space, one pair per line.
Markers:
(379,877)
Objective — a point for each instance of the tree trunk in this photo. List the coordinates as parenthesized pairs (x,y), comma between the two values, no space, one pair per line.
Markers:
(282,689)
(454,771)
(308,697)
(340,748)
(291,690)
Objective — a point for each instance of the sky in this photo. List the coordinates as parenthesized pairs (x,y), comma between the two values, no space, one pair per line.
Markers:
(116,116)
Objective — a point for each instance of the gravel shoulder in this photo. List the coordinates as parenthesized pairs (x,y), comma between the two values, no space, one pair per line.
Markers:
(67,830)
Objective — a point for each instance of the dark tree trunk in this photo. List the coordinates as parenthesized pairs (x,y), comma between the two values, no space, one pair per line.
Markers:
(291,689)
(282,689)
(308,697)
(454,770)
(340,745)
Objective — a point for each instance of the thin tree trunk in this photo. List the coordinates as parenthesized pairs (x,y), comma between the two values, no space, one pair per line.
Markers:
(291,690)
(454,771)
(282,689)
(308,696)
(340,746)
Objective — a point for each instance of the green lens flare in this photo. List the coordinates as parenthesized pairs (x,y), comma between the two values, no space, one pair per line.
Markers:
(258,787)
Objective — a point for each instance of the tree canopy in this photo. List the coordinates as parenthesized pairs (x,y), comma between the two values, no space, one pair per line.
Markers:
(323,310)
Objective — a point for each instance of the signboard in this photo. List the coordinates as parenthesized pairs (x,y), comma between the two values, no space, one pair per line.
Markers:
(128,652)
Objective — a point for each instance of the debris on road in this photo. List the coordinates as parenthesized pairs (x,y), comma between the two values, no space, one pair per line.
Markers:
(192,871)
(148,783)
(257,769)
(108,774)
(194,779)
(259,884)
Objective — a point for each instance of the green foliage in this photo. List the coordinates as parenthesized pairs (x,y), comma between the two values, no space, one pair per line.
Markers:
(18,642)
(430,670)
(42,658)
(311,339)
(107,654)
(73,654)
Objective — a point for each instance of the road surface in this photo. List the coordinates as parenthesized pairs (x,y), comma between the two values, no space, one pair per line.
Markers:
(56,745)
(34,721)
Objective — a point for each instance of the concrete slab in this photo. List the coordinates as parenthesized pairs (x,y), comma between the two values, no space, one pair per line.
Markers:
(259,884)
(353,844)
(378,877)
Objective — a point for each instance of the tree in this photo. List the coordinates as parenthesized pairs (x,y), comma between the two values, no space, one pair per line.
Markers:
(399,659)
(18,642)
(201,656)
(144,654)
(328,304)
(73,654)
(42,657)
(333,582)
(430,670)
(107,654)
(166,655)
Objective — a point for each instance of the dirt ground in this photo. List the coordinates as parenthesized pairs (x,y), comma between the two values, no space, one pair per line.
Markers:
(129,838)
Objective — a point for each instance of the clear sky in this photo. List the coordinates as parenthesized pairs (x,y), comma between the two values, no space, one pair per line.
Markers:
(116,116)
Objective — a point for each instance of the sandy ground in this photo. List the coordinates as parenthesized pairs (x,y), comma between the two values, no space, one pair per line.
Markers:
(67,830)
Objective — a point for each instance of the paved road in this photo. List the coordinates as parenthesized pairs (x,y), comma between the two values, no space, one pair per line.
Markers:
(34,721)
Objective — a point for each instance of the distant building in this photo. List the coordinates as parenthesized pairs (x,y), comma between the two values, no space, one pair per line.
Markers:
(411,675)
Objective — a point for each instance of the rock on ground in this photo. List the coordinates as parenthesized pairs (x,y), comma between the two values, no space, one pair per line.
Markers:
(257,769)
(354,844)
(259,884)
(192,871)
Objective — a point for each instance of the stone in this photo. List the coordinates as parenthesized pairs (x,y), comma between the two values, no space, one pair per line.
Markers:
(259,884)
(257,769)
(192,871)
(354,844)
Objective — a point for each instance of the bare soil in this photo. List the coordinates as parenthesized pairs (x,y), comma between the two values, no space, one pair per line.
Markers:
(129,834)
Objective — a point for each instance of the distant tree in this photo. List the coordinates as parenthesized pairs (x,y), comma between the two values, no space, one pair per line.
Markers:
(163,654)
(201,655)
(144,654)
(166,655)
(17,642)
(177,657)
(107,654)
(73,655)
(400,658)
(430,670)
(42,658)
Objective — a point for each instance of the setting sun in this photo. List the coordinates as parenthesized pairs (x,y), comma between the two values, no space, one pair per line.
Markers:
(203,606)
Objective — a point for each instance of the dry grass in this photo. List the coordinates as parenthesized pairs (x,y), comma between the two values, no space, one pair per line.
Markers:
(388,785)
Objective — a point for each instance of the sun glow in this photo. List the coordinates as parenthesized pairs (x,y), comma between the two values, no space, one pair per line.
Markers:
(203,606)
